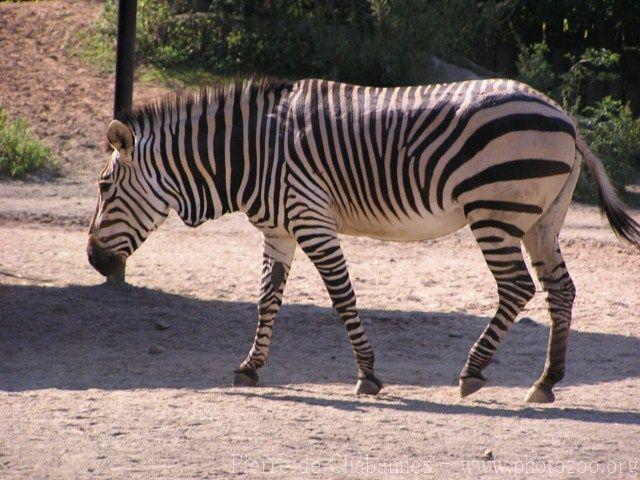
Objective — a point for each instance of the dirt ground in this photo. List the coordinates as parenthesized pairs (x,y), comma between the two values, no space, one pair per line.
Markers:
(82,397)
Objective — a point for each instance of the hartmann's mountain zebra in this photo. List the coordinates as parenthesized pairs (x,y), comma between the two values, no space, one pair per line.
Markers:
(308,160)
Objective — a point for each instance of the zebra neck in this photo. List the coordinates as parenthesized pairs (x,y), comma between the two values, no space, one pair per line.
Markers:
(215,154)
(247,151)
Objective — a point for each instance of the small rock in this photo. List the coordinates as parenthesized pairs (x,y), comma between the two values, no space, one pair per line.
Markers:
(161,324)
(487,455)
(455,335)
(527,321)
(155,349)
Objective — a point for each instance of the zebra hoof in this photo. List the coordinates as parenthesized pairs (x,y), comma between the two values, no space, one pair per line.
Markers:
(245,378)
(538,394)
(368,386)
(469,385)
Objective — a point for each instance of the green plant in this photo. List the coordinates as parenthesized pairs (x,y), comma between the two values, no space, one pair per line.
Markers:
(20,153)
(363,41)
(614,136)
(533,67)
(593,65)
(97,45)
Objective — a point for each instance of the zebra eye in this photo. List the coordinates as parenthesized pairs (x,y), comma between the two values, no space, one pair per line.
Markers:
(104,186)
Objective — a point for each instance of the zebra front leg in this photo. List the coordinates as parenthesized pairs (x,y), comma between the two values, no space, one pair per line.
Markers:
(503,255)
(277,257)
(323,249)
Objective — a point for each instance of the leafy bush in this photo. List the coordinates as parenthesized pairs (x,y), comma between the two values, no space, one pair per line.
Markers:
(533,67)
(20,153)
(614,136)
(363,41)
(593,65)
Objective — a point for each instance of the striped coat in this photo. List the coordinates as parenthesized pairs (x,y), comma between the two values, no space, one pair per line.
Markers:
(306,161)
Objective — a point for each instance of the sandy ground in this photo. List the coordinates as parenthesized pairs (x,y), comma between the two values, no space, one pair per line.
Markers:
(82,397)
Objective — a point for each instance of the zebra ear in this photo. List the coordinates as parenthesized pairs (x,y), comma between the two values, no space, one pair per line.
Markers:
(121,138)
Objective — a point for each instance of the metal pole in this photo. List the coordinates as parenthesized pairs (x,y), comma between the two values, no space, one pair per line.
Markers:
(125,51)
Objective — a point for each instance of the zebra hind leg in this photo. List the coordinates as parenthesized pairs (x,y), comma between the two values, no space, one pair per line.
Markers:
(542,244)
(503,253)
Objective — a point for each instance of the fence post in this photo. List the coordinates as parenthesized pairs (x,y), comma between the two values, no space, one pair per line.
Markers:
(125,52)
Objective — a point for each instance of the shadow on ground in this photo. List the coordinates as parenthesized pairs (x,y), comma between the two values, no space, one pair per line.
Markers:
(412,405)
(81,337)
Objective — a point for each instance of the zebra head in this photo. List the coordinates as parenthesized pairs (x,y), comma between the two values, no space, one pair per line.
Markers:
(129,206)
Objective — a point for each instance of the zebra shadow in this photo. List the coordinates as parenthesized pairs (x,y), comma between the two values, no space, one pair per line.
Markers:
(81,337)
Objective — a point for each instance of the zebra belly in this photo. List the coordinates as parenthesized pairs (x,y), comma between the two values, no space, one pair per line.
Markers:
(407,228)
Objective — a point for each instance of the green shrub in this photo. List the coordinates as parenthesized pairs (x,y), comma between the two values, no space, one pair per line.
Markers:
(594,64)
(614,136)
(533,67)
(20,153)
(362,41)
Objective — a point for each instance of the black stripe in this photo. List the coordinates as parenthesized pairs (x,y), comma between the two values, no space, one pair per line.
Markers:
(203,152)
(220,178)
(490,239)
(165,161)
(181,172)
(502,206)
(512,170)
(506,227)
(502,251)
(252,147)
(269,197)
(193,173)
(236,149)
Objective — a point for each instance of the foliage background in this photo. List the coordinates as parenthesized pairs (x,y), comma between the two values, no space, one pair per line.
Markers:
(20,152)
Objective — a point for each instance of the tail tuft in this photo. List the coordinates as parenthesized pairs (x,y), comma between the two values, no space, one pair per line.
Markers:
(620,221)
(610,204)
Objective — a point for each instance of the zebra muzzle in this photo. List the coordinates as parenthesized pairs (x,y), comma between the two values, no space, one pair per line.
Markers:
(109,264)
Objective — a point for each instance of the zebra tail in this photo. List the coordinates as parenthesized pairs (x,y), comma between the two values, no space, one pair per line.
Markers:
(610,204)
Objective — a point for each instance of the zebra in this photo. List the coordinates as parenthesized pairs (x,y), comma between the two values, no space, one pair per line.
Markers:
(308,160)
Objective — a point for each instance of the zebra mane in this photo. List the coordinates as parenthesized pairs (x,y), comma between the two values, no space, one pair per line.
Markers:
(154,110)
